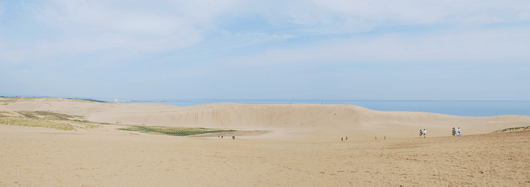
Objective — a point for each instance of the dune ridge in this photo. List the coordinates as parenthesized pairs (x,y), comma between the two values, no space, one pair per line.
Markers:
(303,147)
(292,119)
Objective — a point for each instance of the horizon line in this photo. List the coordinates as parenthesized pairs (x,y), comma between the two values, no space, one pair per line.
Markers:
(189,100)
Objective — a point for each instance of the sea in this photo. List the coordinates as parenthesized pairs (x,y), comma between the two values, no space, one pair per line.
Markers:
(457,108)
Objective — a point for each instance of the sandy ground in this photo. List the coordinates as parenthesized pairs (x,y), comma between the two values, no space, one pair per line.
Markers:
(302,148)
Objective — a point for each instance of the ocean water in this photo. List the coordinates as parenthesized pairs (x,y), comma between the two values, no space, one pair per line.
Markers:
(457,108)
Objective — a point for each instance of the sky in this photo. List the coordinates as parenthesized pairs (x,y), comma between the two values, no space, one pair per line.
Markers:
(236,49)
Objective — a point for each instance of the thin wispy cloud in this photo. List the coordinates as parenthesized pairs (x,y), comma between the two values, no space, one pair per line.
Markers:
(222,41)
(470,45)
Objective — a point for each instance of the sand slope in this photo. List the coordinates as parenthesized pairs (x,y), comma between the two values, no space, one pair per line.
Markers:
(300,120)
(45,157)
(302,149)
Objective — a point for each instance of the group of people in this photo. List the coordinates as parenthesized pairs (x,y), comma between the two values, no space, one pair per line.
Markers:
(457,132)
(423,133)
(233,137)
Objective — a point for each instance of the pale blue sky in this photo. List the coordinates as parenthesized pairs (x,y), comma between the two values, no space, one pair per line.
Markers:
(232,49)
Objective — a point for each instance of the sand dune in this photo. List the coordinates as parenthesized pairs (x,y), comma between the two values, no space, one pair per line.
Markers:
(303,147)
(46,157)
(302,120)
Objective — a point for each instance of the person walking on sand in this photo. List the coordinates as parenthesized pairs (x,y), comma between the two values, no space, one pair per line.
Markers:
(421,133)
(454,131)
(424,133)
(458,131)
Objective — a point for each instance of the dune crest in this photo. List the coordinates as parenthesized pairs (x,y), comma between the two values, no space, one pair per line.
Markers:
(295,119)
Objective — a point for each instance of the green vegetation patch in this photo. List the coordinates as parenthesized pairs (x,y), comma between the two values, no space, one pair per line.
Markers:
(94,100)
(81,121)
(512,129)
(172,131)
(32,122)
(46,115)
(45,119)
(91,100)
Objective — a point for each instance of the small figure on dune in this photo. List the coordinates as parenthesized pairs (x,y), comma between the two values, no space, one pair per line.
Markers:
(346,138)
(385,137)
(233,137)
(424,133)
(454,131)
(421,133)
(376,138)
(458,131)
(221,137)
(341,139)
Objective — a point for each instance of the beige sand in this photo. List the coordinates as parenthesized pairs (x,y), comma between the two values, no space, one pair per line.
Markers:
(303,148)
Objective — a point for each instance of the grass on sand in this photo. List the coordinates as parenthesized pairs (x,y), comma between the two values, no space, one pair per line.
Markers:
(90,100)
(32,122)
(512,129)
(47,115)
(44,119)
(173,131)
(59,121)
(4,100)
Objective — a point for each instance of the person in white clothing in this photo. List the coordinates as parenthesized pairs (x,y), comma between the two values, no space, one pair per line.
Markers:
(424,133)
(458,131)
